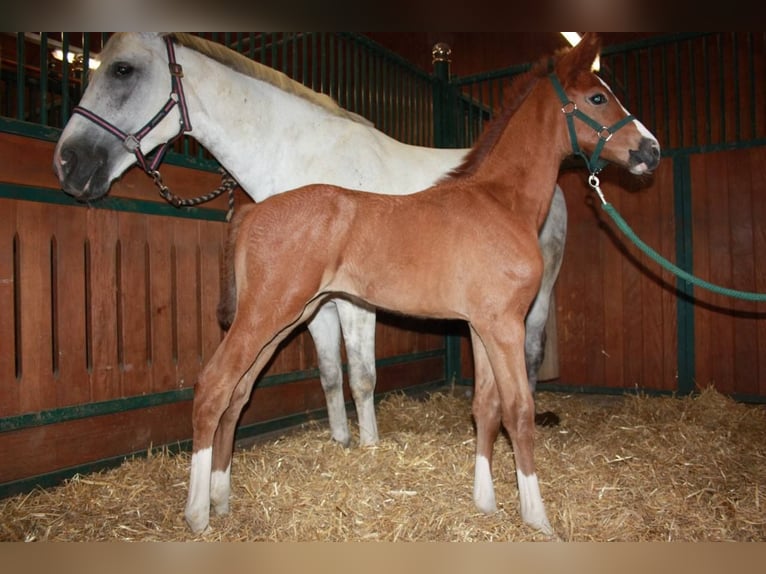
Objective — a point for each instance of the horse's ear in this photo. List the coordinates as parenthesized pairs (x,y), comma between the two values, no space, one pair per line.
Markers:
(578,59)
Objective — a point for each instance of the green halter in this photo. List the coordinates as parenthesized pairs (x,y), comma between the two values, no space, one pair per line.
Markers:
(595,164)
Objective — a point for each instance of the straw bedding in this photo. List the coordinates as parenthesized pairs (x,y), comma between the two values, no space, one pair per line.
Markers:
(631,468)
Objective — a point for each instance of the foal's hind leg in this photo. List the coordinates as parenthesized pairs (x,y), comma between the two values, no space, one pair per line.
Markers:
(486,413)
(359,335)
(212,394)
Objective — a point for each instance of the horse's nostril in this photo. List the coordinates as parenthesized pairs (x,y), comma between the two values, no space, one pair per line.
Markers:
(68,161)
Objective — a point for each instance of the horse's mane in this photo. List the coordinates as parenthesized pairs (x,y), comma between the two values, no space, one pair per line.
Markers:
(513,96)
(244,65)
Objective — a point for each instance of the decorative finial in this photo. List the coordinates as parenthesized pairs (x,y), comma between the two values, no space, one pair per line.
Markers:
(441,52)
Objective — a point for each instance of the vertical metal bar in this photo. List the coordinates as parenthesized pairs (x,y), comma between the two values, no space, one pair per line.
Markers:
(693,91)
(251,45)
(639,85)
(85,63)
(20,75)
(333,83)
(721,88)
(355,81)
(650,59)
(44,78)
(65,79)
(684,257)
(679,96)
(708,101)
(752,76)
(735,76)
(315,61)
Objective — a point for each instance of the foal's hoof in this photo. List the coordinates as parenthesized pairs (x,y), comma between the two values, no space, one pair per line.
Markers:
(197,521)
(547,419)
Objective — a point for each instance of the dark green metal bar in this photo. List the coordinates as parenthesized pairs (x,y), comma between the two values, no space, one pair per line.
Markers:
(665,92)
(735,75)
(682,199)
(87,410)
(708,102)
(752,76)
(44,78)
(65,79)
(20,75)
(42,195)
(244,432)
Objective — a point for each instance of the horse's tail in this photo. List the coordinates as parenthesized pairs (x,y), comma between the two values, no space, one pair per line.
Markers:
(227,304)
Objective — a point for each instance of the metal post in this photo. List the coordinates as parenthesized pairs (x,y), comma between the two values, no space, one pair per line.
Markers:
(444,136)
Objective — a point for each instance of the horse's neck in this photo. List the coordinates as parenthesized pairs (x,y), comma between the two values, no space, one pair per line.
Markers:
(271,141)
(527,157)
(246,126)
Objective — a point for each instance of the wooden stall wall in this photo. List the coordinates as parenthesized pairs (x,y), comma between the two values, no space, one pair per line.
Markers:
(107,311)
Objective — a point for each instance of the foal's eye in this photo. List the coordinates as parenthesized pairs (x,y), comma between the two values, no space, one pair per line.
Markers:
(597,99)
(121,69)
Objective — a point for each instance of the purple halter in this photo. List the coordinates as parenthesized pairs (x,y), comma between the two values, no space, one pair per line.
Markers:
(132,142)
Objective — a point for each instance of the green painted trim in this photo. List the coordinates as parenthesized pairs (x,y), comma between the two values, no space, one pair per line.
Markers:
(51,134)
(682,200)
(55,478)
(57,197)
(65,414)
(712,148)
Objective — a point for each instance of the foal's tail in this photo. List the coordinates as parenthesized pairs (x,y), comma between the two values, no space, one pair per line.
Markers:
(227,304)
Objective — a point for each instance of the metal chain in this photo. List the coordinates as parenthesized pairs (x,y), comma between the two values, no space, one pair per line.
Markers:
(228,185)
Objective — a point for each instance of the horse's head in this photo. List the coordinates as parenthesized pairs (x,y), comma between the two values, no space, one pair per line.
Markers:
(124,95)
(597,122)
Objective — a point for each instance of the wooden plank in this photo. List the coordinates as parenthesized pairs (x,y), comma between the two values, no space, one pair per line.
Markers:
(132,302)
(34,222)
(758,181)
(73,378)
(9,385)
(27,161)
(212,235)
(703,339)
(187,312)
(38,450)
(614,305)
(722,330)
(103,233)
(159,239)
(745,331)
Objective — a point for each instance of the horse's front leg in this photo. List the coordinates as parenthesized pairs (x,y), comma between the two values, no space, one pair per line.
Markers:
(325,330)
(358,326)
(486,414)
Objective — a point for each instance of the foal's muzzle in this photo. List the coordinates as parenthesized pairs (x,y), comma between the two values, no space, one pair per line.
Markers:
(647,155)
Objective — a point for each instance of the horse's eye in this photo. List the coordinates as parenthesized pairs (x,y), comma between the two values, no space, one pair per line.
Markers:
(597,99)
(121,69)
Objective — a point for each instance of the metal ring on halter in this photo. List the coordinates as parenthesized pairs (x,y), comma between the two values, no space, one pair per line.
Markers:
(607,131)
(569,108)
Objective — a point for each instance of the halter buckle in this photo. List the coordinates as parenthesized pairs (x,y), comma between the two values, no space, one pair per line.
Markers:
(131,143)
(176,70)
(569,108)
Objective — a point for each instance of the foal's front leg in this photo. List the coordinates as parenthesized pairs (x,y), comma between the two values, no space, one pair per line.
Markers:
(486,414)
(506,354)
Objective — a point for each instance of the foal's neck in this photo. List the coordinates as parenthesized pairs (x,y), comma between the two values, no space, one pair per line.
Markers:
(524,163)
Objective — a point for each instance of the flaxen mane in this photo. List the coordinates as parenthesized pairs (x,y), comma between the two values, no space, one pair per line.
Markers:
(244,65)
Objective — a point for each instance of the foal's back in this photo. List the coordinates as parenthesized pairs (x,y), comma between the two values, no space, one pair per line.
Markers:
(439,253)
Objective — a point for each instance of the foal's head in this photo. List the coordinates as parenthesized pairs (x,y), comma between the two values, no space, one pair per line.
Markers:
(597,123)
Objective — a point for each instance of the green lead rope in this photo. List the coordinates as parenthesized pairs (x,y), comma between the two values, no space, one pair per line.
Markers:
(625,228)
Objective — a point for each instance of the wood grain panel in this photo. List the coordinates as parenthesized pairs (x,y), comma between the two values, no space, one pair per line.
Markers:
(9,386)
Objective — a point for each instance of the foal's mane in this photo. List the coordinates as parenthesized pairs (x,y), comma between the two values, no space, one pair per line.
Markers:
(244,65)
(513,97)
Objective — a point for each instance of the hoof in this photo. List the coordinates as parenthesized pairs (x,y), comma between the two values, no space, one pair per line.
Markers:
(197,521)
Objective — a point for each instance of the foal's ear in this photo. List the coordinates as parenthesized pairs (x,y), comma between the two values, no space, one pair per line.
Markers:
(579,59)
